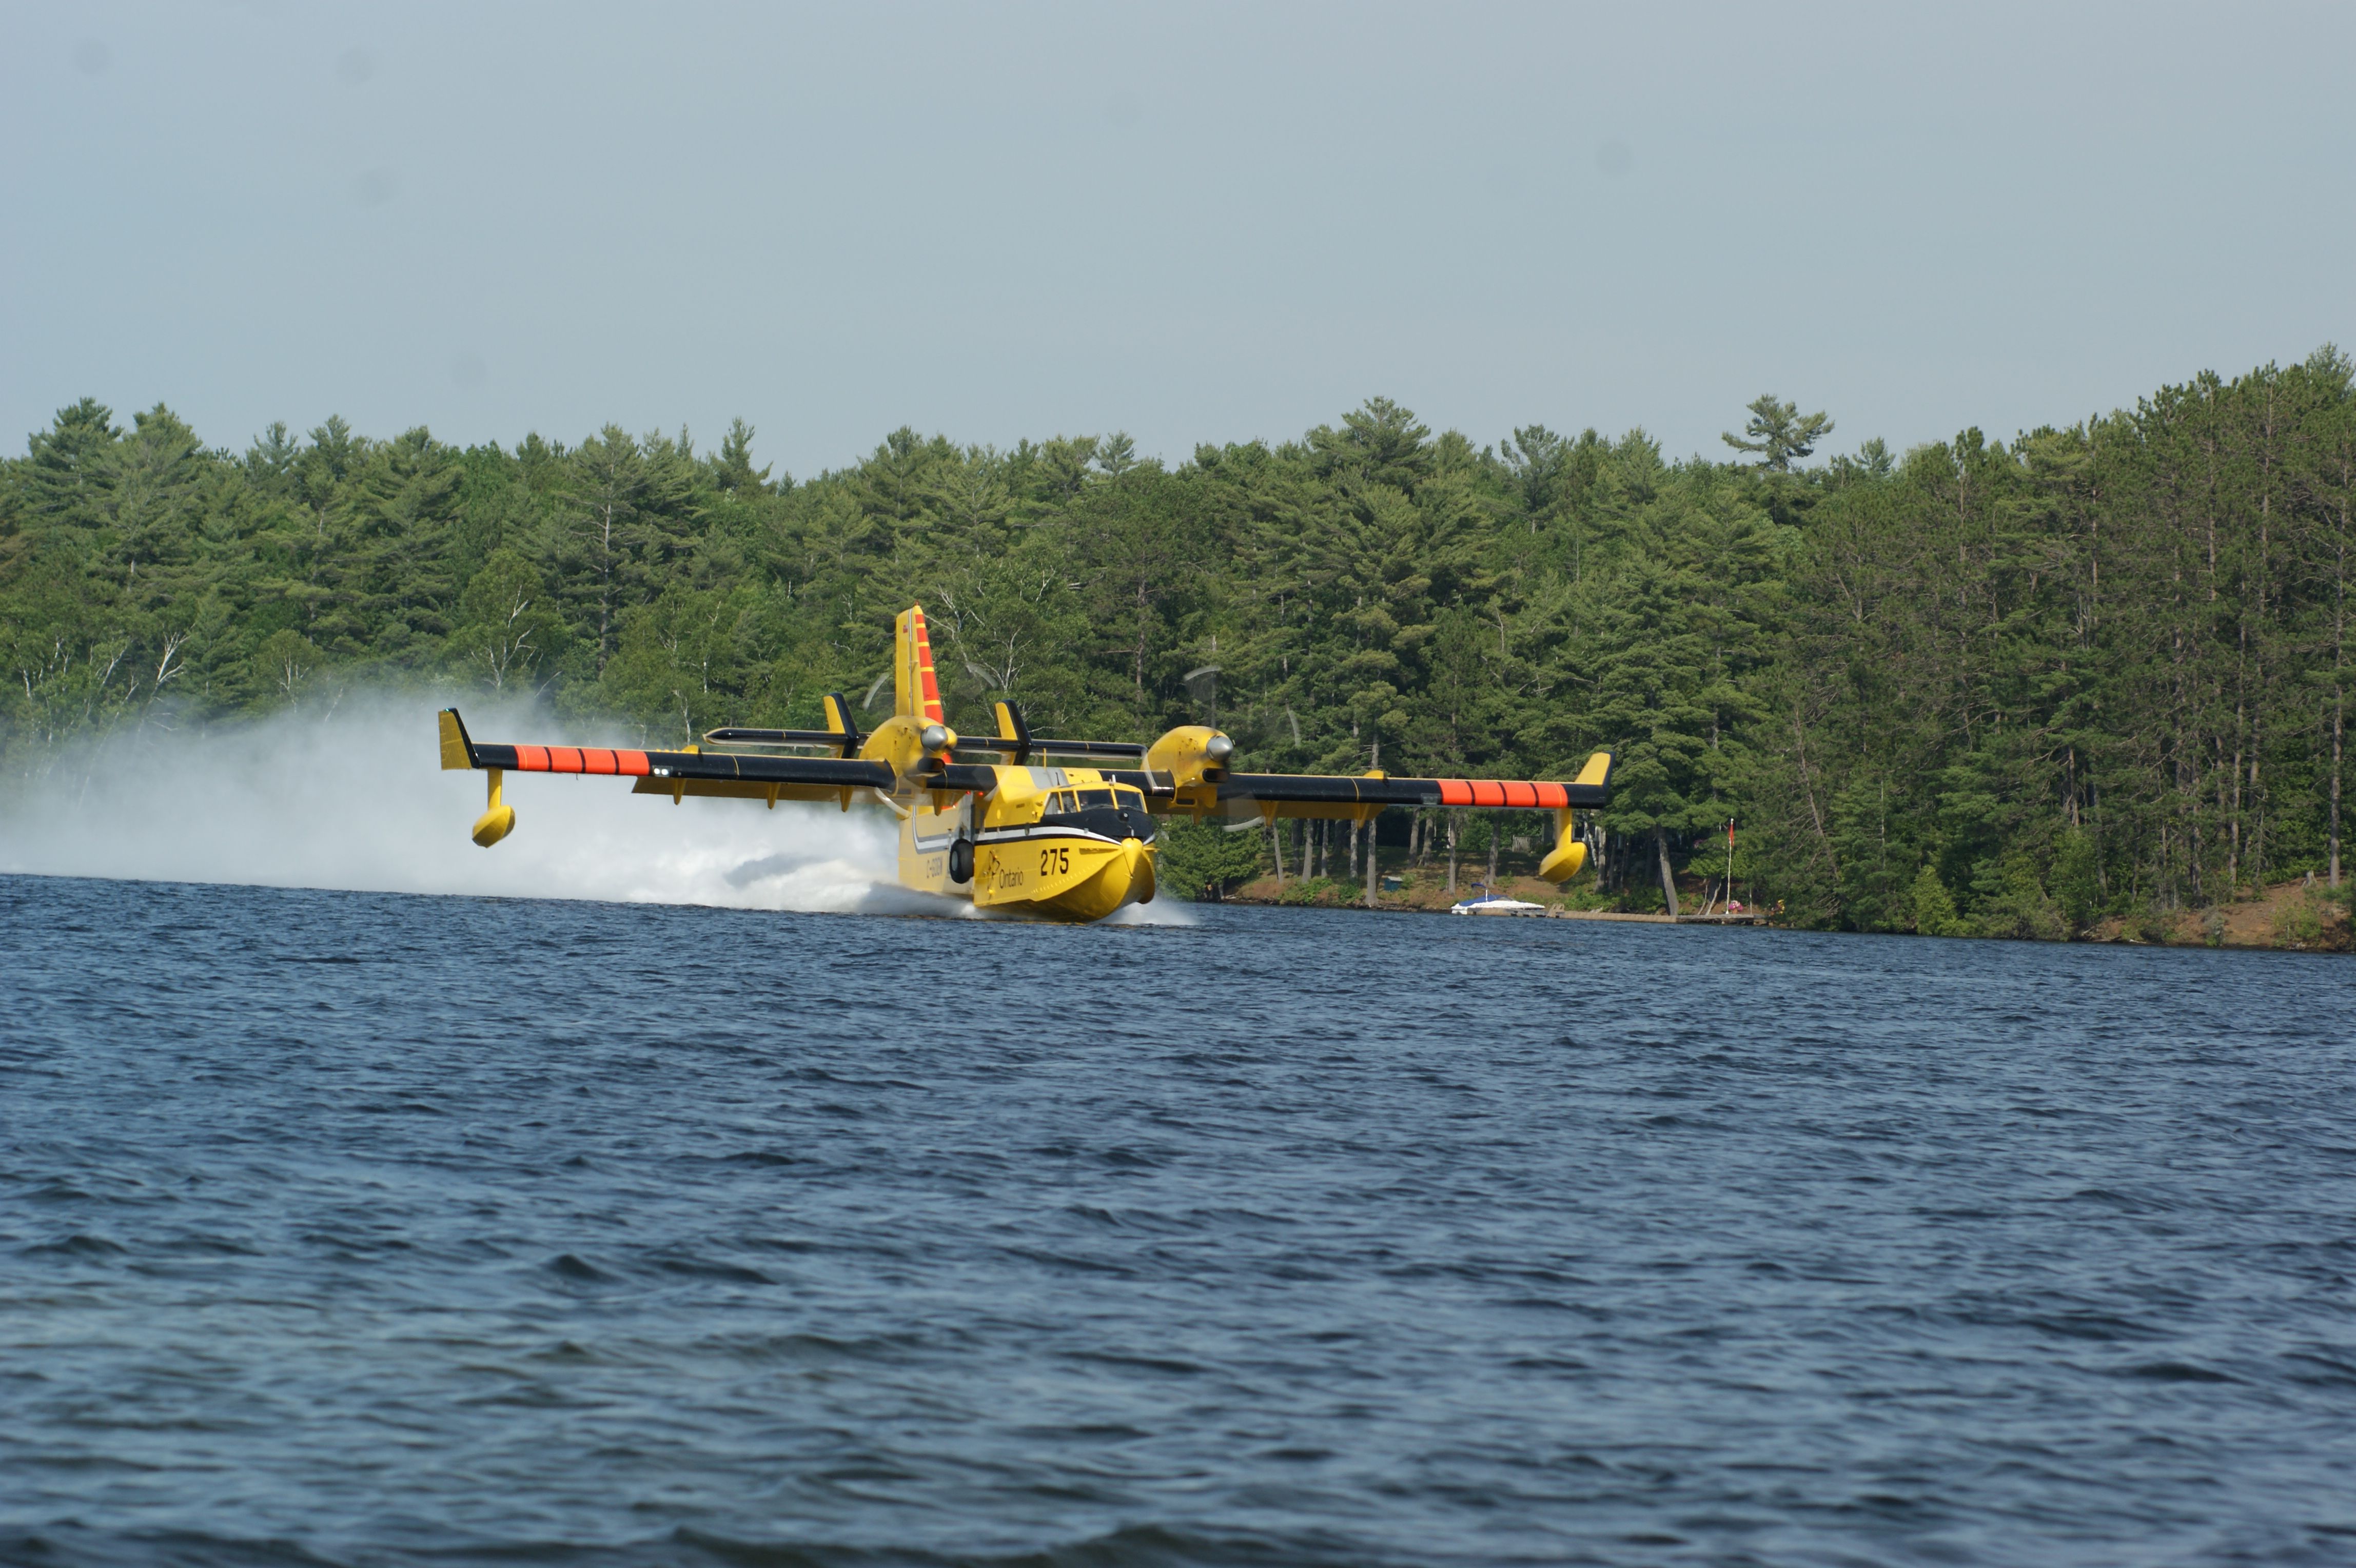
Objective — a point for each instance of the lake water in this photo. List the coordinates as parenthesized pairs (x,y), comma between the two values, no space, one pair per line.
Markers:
(375,1229)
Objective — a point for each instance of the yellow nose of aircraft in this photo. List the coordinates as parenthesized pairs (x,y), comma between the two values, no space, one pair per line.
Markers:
(1114,877)
(1140,871)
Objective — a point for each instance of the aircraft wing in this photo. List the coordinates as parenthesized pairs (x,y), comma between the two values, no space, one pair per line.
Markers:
(1359,797)
(672,773)
(1309,788)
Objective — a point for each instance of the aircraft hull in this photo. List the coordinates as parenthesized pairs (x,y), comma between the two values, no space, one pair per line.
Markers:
(1042,872)
(1058,878)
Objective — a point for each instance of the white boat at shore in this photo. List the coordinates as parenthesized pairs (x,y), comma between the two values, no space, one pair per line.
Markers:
(1496,904)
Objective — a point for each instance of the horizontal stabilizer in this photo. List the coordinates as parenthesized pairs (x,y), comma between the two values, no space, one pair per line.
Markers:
(1006,746)
(735,790)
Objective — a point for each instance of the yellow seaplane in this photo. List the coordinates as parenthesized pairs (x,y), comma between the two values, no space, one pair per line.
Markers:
(1066,842)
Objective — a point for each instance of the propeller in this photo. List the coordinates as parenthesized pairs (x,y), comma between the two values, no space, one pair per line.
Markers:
(1202,686)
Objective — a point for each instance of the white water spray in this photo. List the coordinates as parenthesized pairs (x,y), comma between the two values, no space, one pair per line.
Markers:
(358,800)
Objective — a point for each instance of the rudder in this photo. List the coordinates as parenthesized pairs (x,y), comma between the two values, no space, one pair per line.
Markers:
(916,693)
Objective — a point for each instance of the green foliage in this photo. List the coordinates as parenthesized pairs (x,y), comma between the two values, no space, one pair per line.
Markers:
(505,623)
(1779,432)
(1317,890)
(2013,901)
(2077,880)
(2299,921)
(1935,908)
(1993,686)
(1199,859)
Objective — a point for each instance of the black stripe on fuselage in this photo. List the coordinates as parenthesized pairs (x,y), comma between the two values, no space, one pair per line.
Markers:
(1034,834)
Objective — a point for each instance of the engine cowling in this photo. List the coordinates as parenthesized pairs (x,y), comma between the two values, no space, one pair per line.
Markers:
(1191,754)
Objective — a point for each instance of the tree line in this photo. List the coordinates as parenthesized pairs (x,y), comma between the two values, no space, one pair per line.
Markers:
(2002,687)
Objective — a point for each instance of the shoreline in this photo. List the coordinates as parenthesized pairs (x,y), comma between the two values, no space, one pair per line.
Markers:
(2288,917)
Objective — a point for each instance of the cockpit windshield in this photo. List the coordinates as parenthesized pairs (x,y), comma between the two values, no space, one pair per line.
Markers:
(1067,801)
(1081,804)
(1110,812)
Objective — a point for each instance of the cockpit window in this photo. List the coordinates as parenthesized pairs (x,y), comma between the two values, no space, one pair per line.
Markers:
(1115,810)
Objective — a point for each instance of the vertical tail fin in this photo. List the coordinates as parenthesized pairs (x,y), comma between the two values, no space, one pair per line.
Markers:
(914,692)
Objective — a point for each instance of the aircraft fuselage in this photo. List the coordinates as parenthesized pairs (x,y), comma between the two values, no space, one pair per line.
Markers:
(1059,842)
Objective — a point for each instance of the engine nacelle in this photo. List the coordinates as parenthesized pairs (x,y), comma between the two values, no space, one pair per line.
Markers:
(1191,754)
(909,744)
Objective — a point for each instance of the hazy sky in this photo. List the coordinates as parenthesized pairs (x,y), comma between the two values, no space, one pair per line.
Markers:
(1195,222)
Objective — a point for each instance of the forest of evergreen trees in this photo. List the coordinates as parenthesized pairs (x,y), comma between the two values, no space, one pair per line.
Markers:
(2005,688)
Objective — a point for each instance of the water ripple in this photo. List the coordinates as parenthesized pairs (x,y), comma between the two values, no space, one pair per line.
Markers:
(366,1229)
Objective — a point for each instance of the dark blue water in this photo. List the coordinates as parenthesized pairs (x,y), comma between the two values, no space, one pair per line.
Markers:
(375,1229)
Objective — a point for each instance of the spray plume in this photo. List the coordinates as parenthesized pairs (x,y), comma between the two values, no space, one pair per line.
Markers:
(357,800)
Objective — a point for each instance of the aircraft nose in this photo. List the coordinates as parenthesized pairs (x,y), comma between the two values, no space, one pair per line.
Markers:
(1137,863)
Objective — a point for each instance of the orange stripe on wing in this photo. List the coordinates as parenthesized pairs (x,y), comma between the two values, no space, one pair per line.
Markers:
(1501,792)
(564,759)
(532,758)
(594,759)
(633,763)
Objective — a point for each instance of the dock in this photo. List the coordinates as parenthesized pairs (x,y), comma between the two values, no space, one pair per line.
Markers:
(1744,918)
(1265,891)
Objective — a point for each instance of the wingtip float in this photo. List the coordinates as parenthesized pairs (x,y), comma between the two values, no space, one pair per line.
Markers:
(1072,841)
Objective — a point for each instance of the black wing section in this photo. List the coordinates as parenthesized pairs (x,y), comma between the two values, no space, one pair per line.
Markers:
(1019,746)
(1339,795)
(655,770)
(1309,788)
